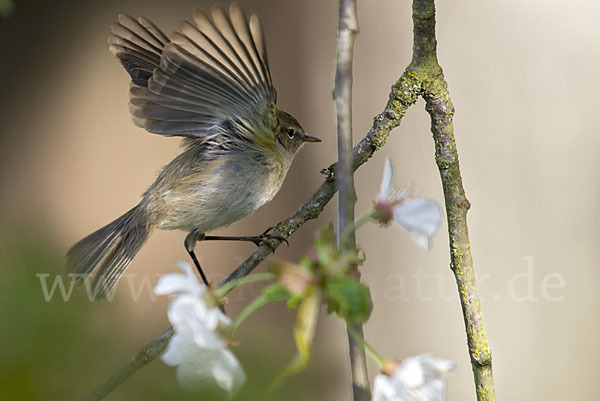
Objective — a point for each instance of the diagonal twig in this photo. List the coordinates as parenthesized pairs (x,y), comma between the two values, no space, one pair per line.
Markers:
(146,355)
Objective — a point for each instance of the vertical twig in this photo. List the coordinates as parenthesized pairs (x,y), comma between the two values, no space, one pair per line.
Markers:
(342,94)
(434,89)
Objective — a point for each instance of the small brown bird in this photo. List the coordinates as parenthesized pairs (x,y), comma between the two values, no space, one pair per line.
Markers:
(210,84)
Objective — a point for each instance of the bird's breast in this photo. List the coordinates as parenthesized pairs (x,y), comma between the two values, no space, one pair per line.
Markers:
(206,200)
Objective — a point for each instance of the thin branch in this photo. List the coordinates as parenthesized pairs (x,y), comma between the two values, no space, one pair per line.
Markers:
(147,354)
(342,94)
(426,69)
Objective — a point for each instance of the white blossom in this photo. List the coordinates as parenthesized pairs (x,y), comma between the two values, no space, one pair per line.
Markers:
(418,216)
(414,379)
(199,346)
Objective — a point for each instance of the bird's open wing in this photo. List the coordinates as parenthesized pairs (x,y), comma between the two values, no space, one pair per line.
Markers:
(139,45)
(212,78)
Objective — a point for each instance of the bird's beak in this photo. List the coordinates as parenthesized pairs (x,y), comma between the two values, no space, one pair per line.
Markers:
(308,138)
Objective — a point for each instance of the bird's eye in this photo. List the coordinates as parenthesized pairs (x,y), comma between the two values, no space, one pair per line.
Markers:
(291,133)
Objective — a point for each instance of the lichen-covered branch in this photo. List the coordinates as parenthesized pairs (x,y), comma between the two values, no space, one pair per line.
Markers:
(342,95)
(426,69)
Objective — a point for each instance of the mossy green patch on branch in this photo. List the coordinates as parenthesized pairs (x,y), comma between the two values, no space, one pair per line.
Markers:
(425,69)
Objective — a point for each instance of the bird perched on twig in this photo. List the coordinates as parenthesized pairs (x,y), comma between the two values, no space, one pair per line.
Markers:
(210,84)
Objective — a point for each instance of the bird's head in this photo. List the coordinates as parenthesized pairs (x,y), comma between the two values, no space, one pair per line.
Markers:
(291,135)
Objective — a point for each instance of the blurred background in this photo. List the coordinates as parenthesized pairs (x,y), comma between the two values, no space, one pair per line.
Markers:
(523,79)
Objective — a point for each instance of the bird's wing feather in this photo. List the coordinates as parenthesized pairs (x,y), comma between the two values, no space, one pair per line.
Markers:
(212,74)
(139,45)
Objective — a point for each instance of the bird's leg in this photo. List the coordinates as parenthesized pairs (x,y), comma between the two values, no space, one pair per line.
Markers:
(255,239)
(190,244)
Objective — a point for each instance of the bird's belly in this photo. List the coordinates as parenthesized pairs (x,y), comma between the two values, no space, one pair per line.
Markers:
(204,204)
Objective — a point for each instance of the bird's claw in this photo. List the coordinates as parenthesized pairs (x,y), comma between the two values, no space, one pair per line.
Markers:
(265,237)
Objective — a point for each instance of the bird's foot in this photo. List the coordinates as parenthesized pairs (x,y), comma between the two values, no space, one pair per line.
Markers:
(257,240)
(265,237)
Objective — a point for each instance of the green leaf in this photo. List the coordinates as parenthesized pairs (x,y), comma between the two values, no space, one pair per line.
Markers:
(271,293)
(325,245)
(328,261)
(274,292)
(304,333)
(294,300)
(349,299)
(221,292)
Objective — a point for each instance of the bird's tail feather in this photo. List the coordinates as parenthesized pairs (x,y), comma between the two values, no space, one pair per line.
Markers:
(112,247)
